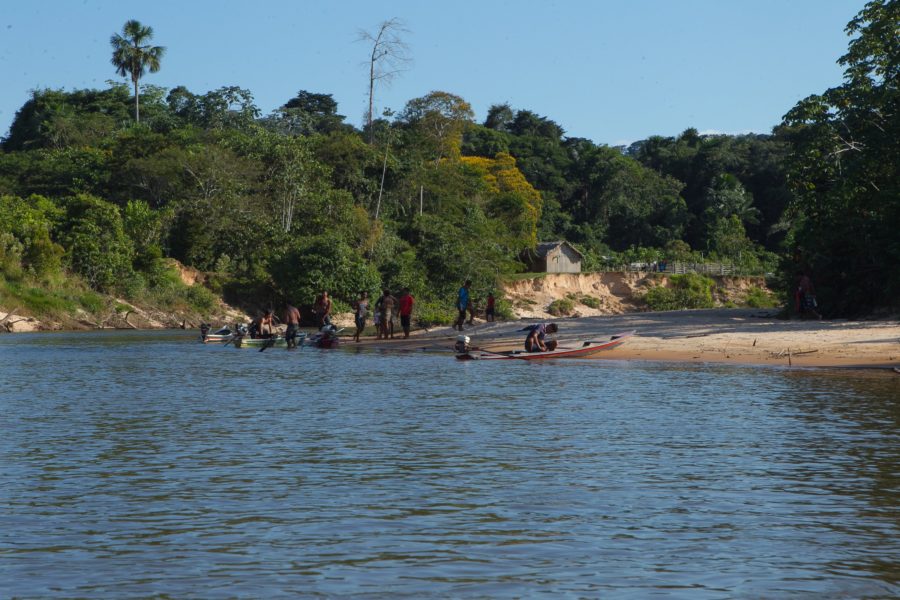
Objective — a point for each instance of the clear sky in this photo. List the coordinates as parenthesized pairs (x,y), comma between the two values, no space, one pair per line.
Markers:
(613,71)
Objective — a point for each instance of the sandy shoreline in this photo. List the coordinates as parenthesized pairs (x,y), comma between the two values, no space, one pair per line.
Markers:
(734,336)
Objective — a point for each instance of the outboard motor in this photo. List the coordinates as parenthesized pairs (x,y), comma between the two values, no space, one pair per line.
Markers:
(327,337)
(204,330)
(462,344)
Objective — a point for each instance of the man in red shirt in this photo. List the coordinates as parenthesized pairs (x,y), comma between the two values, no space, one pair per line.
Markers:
(406,305)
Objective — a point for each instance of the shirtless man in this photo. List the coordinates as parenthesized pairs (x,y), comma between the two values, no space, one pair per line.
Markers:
(388,303)
(322,309)
(292,318)
(361,309)
(267,324)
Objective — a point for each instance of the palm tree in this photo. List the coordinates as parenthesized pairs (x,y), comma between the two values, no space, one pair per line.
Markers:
(132,55)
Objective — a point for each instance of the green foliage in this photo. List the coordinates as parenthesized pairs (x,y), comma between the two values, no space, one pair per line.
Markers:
(590,302)
(431,313)
(677,250)
(10,257)
(92,302)
(97,246)
(283,206)
(451,254)
(503,310)
(132,56)
(319,263)
(687,291)
(55,118)
(845,170)
(561,307)
(37,300)
(29,224)
(200,299)
(760,298)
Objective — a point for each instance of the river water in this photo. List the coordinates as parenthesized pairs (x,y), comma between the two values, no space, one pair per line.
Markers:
(146,465)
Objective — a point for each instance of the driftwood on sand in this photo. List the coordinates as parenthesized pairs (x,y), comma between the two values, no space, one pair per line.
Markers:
(7,322)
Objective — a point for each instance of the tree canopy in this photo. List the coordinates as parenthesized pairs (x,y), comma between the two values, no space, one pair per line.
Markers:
(275,206)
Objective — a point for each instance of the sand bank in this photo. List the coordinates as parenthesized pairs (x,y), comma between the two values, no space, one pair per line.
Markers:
(735,336)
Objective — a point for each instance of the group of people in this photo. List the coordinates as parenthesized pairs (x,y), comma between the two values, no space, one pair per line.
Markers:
(263,326)
(465,305)
(386,308)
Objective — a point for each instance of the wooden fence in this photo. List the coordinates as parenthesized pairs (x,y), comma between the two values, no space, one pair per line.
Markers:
(680,268)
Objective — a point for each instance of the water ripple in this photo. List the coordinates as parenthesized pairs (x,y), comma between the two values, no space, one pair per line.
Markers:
(141,464)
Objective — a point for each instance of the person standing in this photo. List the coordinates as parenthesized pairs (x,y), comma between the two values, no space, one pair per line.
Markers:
(361,308)
(292,319)
(322,310)
(388,308)
(383,309)
(462,304)
(806,296)
(406,302)
(489,308)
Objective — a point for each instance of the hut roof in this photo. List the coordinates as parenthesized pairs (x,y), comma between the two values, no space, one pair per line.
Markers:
(544,248)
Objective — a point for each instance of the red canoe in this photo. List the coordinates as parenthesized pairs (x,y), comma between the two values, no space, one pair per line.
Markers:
(585,349)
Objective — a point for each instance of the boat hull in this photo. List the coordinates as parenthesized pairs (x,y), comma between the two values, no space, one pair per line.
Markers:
(586,349)
(278,342)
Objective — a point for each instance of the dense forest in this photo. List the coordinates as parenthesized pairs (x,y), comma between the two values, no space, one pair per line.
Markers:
(98,187)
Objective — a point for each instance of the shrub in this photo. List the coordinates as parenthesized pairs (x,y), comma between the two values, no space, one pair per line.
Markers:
(591,302)
(38,301)
(200,299)
(687,291)
(429,313)
(10,257)
(561,307)
(339,306)
(91,302)
(760,298)
(503,310)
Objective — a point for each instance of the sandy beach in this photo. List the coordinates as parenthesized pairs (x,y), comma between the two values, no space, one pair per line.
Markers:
(733,336)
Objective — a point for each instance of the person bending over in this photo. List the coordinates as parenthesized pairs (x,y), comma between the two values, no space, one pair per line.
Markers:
(534,342)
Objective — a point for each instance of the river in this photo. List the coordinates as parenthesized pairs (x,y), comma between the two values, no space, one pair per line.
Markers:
(143,464)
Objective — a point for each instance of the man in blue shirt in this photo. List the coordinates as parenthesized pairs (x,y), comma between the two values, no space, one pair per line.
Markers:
(462,304)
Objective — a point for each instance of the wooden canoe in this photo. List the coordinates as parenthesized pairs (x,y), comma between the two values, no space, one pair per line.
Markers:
(563,351)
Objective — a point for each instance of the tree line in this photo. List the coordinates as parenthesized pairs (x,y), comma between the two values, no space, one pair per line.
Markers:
(105,184)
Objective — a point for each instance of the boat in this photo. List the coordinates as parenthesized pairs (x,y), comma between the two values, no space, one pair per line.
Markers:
(586,348)
(279,341)
(327,337)
(243,341)
(220,335)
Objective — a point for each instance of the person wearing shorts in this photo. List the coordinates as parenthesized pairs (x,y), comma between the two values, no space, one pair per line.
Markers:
(361,308)
(462,304)
(405,304)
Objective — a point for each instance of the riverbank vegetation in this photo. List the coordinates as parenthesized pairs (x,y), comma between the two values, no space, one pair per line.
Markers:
(280,206)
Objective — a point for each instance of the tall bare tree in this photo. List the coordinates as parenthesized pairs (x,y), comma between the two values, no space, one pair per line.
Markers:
(132,55)
(389,56)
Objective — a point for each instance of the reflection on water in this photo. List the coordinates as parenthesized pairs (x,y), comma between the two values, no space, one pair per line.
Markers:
(142,464)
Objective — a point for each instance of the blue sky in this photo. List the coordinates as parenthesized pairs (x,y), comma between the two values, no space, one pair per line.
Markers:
(611,71)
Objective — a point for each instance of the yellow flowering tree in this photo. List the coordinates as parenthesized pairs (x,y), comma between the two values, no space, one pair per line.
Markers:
(509,198)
